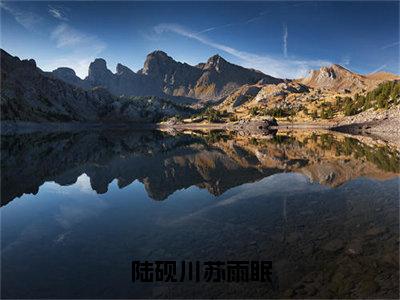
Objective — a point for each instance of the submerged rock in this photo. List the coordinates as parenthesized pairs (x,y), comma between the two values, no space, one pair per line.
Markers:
(333,245)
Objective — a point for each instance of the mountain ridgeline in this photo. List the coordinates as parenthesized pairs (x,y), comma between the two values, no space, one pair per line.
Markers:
(31,95)
(165,88)
(163,76)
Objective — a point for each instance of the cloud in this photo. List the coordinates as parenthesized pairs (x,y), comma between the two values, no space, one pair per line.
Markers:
(27,19)
(390,45)
(66,36)
(78,48)
(258,16)
(217,27)
(81,49)
(247,21)
(57,13)
(285,37)
(345,60)
(379,69)
(284,68)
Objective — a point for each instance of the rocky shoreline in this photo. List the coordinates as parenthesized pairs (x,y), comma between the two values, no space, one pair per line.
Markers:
(384,124)
(12,127)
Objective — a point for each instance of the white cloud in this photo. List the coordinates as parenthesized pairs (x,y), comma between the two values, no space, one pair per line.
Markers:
(285,37)
(283,68)
(379,69)
(82,49)
(390,45)
(345,60)
(57,13)
(27,19)
(216,27)
(67,36)
(78,48)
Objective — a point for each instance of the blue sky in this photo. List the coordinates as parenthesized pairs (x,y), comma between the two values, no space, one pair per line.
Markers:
(284,39)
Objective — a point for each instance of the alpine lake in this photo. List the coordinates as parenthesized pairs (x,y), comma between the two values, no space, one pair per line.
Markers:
(78,207)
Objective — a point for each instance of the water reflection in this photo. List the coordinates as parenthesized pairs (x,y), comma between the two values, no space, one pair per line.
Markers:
(322,207)
(165,163)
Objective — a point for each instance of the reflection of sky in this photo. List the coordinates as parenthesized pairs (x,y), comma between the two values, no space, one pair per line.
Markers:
(286,183)
(96,236)
(56,209)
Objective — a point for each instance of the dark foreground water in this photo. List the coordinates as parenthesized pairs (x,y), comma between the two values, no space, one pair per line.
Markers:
(78,208)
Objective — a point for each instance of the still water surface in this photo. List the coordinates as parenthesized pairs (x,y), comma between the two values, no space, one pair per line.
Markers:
(79,207)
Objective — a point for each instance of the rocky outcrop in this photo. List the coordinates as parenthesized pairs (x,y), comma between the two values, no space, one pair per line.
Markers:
(239,97)
(69,76)
(281,90)
(265,124)
(98,74)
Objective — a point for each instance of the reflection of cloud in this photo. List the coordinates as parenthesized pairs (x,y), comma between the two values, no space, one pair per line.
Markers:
(289,183)
(57,13)
(270,65)
(27,19)
(73,212)
(269,187)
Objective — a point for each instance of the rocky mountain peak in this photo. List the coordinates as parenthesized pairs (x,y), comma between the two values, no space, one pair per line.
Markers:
(331,72)
(163,76)
(215,62)
(98,72)
(339,79)
(121,69)
(335,70)
(98,64)
(156,63)
(215,58)
(30,62)
(64,71)
(158,54)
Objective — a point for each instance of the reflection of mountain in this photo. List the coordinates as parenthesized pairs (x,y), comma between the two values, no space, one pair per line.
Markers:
(166,163)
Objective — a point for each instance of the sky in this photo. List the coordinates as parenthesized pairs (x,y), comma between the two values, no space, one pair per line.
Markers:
(282,39)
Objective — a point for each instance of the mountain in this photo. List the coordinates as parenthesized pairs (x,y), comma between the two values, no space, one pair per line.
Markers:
(382,76)
(212,80)
(29,94)
(162,76)
(69,76)
(339,79)
(332,92)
